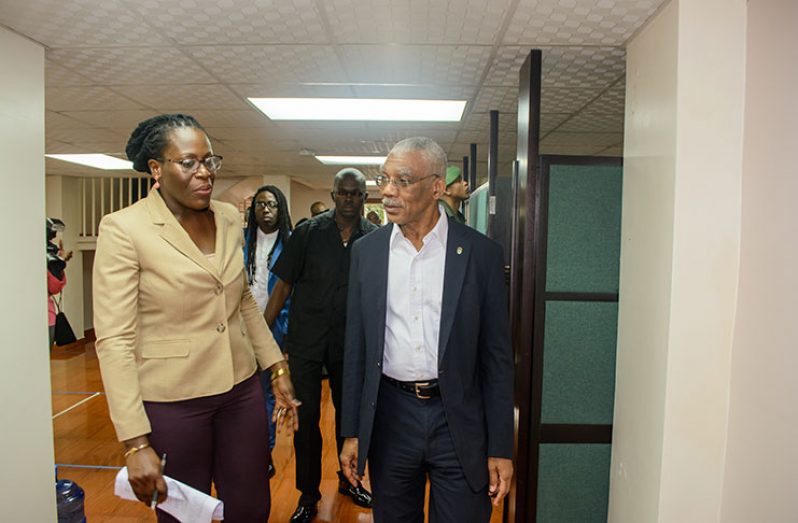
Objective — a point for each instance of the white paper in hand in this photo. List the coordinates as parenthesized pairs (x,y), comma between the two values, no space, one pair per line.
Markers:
(185,503)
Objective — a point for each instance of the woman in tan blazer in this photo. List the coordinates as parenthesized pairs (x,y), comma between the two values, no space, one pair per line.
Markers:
(179,336)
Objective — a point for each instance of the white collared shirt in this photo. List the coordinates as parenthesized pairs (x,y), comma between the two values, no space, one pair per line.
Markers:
(260,287)
(413,304)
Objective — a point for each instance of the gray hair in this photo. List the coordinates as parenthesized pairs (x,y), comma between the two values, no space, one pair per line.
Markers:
(350,172)
(432,152)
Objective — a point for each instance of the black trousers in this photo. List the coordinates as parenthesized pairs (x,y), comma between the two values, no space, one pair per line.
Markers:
(411,441)
(306,376)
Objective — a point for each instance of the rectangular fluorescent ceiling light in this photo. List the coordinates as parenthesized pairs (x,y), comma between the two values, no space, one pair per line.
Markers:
(351,160)
(98,161)
(361,109)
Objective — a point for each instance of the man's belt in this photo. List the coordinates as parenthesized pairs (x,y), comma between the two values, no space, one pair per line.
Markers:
(423,390)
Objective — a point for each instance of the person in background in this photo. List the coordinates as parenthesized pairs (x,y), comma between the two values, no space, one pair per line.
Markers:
(455,194)
(268,229)
(314,271)
(428,368)
(374,218)
(317,208)
(179,335)
(57,260)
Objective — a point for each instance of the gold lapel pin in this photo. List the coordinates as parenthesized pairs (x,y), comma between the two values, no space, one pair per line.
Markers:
(459,250)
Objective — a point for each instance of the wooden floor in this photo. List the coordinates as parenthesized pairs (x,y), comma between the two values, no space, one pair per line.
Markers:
(87,452)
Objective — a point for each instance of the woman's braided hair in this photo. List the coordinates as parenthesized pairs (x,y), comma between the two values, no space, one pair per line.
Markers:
(149,139)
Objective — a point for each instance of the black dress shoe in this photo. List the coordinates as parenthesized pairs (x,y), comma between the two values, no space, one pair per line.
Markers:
(304,514)
(360,496)
(272,471)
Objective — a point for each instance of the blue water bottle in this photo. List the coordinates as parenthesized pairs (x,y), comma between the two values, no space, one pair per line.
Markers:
(69,501)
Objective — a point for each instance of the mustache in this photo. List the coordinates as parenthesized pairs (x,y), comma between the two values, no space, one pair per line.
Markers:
(392,202)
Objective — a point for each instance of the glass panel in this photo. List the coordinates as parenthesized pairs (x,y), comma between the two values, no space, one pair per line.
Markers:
(579,362)
(584,232)
(573,483)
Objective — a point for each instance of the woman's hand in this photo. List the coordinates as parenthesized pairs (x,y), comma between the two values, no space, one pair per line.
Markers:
(285,402)
(144,474)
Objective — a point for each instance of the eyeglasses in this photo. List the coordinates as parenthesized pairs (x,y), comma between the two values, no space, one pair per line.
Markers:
(341,193)
(191,165)
(260,204)
(402,182)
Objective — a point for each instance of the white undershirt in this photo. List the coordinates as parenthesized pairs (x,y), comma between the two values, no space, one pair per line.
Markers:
(260,287)
(413,305)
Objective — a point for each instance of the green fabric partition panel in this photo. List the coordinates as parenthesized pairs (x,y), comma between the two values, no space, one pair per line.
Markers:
(576,318)
(584,228)
(579,362)
(478,209)
(573,483)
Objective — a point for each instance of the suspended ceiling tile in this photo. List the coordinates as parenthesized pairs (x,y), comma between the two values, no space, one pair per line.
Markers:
(244,118)
(55,147)
(233,21)
(506,65)
(564,100)
(292,91)
(270,133)
(184,98)
(587,139)
(60,23)
(57,76)
(567,150)
(113,148)
(585,122)
(549,121)
(497,98)
(415,64)
(86,99)
(509,122)
(132,65)
(84,135)
(324,130)
(393,132)
(573,22)
(483,138)
(422,92)
(582,67)
(616,151)
(56,121)
(118,120)
(611,101)
(572,67)
(435,21)
(481,122)
(273,64)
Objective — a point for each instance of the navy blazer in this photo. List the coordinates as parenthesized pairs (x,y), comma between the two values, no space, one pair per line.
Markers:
(475,361)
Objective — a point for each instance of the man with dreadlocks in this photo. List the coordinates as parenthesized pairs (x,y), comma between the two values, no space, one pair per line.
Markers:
(268,228)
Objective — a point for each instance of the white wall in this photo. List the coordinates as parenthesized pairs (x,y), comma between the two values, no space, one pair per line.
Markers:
(762,454)
(303,196)
(646,270)
(679,262)
(26,452)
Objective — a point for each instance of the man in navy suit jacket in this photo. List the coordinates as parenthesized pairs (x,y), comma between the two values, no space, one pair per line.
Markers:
(428,368)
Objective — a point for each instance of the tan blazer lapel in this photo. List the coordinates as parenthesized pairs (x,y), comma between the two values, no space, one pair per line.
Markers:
(176,236)
(226,242)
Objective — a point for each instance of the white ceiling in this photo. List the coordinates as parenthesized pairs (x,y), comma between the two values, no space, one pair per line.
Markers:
(113,63)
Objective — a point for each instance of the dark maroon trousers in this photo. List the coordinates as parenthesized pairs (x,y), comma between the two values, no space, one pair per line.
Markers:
(221,439)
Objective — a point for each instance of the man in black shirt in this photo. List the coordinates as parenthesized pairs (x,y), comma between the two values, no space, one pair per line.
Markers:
(314,270)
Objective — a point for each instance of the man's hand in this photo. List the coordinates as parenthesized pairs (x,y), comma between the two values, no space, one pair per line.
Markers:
(500,471)
(349,460)
(144,475)
(285,403)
